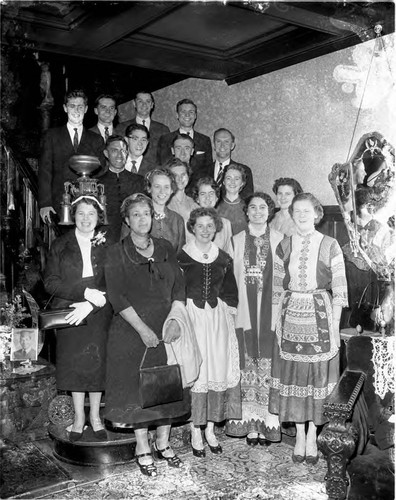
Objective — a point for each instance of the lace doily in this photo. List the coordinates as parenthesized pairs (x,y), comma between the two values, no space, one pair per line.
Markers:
(384,365)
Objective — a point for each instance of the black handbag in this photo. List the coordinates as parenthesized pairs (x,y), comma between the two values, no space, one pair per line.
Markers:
(53,319)
(364,313)
(159,385)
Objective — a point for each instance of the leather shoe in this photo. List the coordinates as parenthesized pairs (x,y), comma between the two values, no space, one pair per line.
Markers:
(263,442)
(252,441)
(216,449)
(198,453)
(75,436)
(312,460)
(298,459)
(101,434)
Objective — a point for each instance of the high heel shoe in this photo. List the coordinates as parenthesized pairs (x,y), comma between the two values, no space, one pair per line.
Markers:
(196,452)
(172,461)
(216,450)
(149,469)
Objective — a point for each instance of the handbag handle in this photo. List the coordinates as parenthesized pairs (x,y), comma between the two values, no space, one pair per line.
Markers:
(49,300)
(364,294)
(145,352)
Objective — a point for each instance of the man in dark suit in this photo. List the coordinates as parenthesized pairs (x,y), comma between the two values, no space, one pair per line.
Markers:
(186,112)
(223,145)
(59,144)
(118,183)
(137,137)
(27,350)
(106,110)
(144,104)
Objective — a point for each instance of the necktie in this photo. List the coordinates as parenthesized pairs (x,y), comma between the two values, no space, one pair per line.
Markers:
(24,353)
(144,122)
(75,140)
(219,178)
(134,169)
(106,133)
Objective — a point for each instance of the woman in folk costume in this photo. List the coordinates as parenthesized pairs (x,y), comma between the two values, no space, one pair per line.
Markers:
(308,326)
(212,297)
(259,292)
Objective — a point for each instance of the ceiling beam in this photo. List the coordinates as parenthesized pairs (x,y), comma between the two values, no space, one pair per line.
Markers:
(297,16)
(124,24)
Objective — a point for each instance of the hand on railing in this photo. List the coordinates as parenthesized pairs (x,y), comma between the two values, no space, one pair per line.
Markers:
(45,214)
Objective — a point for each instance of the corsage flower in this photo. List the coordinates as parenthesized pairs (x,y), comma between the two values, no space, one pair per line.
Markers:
(98,239)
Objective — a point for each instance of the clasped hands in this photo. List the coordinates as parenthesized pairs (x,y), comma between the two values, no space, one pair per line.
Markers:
(150,339)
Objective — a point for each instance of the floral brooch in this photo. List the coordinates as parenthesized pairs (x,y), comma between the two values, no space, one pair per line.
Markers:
(98,239)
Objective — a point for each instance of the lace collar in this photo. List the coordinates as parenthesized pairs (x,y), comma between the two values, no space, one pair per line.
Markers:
(195,253)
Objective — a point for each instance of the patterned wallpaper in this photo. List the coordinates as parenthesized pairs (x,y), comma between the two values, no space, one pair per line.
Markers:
(296,122)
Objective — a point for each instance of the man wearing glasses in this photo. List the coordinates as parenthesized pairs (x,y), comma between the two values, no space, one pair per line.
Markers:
(59,144)
(137,137)
(106,109)
(186,114)
(144,105)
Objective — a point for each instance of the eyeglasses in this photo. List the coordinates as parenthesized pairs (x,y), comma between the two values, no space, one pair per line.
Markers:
(78,107)
(187,113)
(138,139)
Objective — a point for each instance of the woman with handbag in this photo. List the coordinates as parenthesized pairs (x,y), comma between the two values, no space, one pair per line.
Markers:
(144,281)
(311,265)
(74,276)
(212,297)
(259,292)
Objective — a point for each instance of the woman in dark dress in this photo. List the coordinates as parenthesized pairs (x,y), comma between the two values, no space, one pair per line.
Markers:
(74,275)
(144,280)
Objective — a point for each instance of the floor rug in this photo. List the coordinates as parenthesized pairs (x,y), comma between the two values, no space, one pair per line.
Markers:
(239,473)
(25,468)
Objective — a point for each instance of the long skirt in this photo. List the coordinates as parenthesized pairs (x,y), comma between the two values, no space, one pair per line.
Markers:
(300,386)
(216,394)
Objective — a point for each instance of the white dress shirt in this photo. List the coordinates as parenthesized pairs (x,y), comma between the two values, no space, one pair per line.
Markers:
(71,128)
(217,167)
(128,164)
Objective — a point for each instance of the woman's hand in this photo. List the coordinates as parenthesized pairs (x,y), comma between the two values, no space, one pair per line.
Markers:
(173,331)
(80,312)
(149,338)
(95,296)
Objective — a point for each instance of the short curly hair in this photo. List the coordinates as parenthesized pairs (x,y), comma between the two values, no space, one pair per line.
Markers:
(264,196)
(134,199)
(159,171)
(202,212)
(315,203)
(89,201)
(175,162)
(205,181)
(287,181)
(235,166)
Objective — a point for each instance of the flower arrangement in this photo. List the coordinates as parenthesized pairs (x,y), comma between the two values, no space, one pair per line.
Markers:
(12,315)
(98,239)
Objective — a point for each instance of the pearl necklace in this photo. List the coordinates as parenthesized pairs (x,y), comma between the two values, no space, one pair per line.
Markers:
(149,241)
